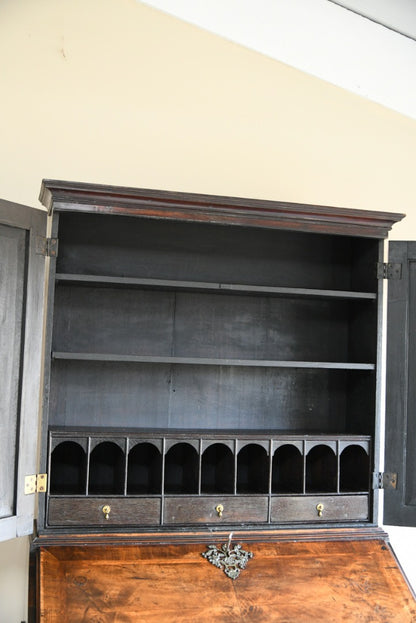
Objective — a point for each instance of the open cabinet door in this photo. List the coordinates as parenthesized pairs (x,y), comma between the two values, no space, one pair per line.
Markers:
(400,453)
(22,270)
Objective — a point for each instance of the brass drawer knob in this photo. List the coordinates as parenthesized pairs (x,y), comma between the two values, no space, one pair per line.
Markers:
(219,509)
(107,511)
(320,509)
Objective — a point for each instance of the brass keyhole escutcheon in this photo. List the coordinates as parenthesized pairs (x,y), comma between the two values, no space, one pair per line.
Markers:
(320,508)
(219,509)
(107,511)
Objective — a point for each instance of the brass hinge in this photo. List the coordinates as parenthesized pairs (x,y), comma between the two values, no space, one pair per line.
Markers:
(389,270)
(384,480)
(48,247)
(35,483)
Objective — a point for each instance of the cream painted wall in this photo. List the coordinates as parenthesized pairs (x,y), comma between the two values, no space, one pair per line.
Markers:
(14,580)
(112,91)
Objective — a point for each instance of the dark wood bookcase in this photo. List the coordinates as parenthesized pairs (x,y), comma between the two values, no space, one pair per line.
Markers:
(212,374)
(210,362)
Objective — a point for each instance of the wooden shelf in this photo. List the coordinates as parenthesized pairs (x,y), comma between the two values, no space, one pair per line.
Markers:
(205,361)
(227,288)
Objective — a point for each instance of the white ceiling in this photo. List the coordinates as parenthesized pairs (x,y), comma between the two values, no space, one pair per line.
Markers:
(365,46)
(398,15)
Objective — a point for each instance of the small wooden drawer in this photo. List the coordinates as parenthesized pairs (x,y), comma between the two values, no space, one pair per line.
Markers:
(319,508)
(204,509)
(92,511)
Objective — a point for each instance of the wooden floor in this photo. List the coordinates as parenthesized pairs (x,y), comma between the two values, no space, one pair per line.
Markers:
(285,582)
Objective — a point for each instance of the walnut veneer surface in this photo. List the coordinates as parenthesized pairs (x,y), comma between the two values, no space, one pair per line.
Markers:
(284,582)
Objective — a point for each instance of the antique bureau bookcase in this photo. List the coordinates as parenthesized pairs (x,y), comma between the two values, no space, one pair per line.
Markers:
(212,375)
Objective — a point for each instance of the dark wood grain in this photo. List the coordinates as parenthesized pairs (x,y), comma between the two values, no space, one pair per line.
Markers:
(78,512)
(195,252)
(200,534)
(252,509)
(207,326)
(63,195)
(335,508)
(184,396)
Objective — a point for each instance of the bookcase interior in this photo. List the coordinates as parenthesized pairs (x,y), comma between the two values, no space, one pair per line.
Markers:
(194,360)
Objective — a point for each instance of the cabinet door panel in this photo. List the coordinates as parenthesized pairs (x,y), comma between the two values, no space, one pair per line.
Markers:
(21,314)
(400,503)
(12,290)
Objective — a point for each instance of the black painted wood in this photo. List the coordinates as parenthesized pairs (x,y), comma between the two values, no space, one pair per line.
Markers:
(217,397)
(157,323)
(151,249)
(172,284)
(198,470)
(206,361)
(400,504)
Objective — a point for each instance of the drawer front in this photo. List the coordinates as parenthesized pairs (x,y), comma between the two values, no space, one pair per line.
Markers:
(180,510)
(307,508)
(67,511)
